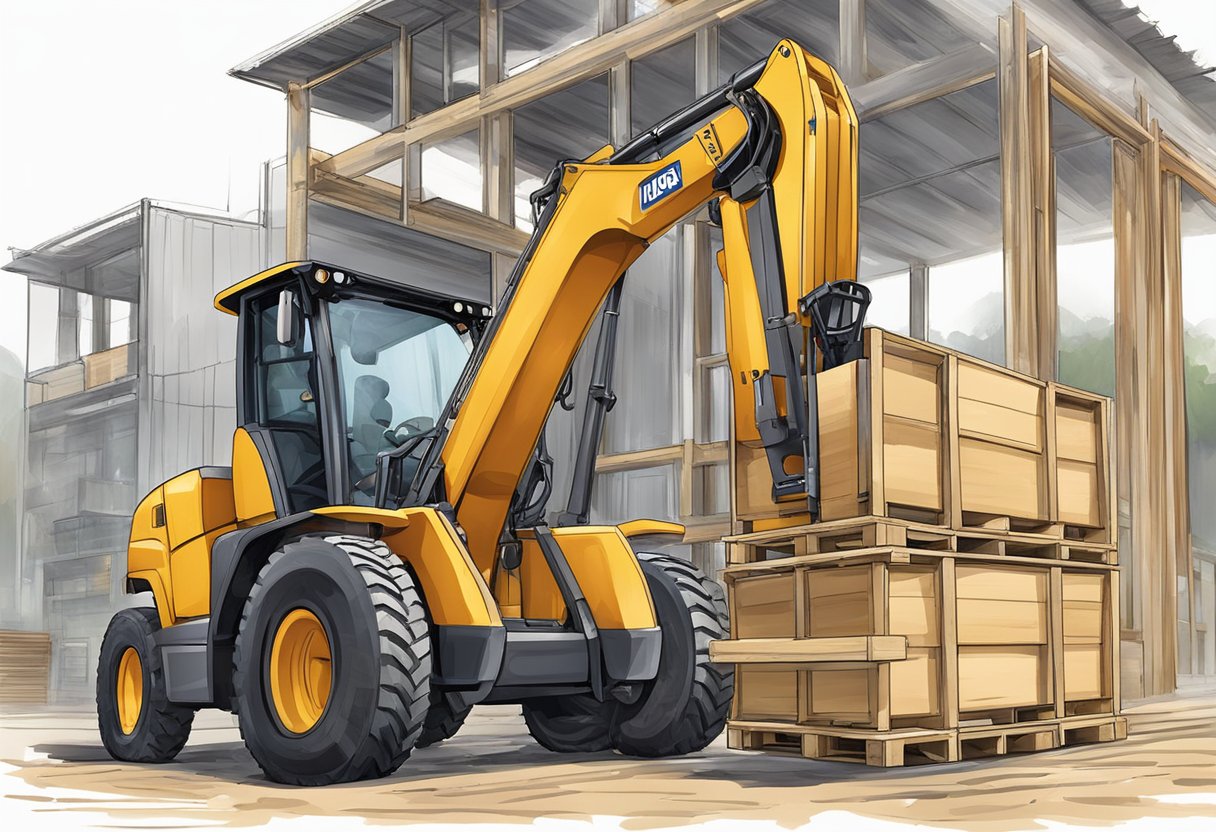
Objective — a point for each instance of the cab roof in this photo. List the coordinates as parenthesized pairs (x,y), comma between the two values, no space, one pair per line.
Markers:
(229,300)
(325,277)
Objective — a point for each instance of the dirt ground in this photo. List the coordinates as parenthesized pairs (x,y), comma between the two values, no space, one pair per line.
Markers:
(54,774)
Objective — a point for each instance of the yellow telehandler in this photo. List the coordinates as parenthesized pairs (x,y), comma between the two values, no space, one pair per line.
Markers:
(376,560)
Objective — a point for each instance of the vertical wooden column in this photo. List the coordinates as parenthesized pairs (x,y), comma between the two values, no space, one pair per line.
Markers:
(853,61)
(1021,343)
(706,59)
(1043,213)
(1176,486)
(918,301)
(298,107)
(619,123)
(402,78)
(490,65)
(498,163)
(1140,414)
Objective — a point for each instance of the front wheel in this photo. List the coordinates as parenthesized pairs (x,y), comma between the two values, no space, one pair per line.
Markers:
(137,721)
(332,662)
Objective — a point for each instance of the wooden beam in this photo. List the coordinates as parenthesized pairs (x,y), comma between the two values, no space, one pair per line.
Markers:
(650,34)
(365,194)
(810,650)
(1021,308)
(317,80)
(633,460)
(298,111)
(923,81)
(1199,176)
(462,225)
(1094,106)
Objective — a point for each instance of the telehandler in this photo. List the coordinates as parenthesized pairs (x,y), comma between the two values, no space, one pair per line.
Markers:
(376,561)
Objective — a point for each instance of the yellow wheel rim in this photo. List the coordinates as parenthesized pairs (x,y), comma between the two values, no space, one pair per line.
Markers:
(130,689)
(300,671)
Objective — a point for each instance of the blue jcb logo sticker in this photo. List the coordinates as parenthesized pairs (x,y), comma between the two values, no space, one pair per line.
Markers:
(660,185)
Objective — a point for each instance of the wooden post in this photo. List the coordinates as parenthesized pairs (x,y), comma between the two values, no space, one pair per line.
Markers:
(1021,343)
(853,61)
(1043,177)
(1140,347)
(918,294)
(490,65)
(298,109)
(1176,485)
(948,590)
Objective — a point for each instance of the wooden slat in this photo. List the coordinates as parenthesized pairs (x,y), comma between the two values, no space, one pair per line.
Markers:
(809,650)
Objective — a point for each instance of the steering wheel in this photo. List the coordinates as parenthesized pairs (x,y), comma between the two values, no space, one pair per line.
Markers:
(411,427)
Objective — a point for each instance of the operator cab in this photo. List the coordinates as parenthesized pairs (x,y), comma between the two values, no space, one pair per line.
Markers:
(336,367)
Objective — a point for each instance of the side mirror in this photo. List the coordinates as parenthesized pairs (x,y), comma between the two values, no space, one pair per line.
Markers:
(285,330)
(512,555)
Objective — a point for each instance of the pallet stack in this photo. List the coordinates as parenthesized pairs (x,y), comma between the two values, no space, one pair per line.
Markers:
(960,598)
(25,667)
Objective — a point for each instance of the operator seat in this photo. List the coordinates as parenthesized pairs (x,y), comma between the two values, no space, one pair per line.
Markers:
(371,414)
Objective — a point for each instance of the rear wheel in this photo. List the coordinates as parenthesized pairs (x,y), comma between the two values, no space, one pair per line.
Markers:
(332,662)
(572,723)
(684,707)
(442,720)
(137,721)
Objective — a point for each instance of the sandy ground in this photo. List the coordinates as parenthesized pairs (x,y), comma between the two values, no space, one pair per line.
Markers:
(54,774)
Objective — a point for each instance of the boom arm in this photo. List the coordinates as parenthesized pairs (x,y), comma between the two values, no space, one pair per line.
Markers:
(778,146)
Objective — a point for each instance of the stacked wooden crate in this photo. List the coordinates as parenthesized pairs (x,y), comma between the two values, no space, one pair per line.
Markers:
(959,599)
(25,667)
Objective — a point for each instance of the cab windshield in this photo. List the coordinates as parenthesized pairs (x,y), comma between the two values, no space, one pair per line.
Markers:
(396,369)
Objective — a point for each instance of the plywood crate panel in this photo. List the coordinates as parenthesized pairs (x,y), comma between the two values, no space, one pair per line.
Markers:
(1001,432)
(988,642)
(1088,664)
(918,433)
(882,438)
(816,603)
(1081,467)
(25,666)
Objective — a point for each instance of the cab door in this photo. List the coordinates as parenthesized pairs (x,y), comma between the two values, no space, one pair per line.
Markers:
(279,388)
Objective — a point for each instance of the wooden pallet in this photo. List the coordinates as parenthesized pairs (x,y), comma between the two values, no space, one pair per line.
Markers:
(913,746)
(843,536)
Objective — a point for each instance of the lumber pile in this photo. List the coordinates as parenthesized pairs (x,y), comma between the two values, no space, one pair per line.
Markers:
(960,597)
(25,667)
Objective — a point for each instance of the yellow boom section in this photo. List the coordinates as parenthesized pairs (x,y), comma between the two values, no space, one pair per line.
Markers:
(606,214)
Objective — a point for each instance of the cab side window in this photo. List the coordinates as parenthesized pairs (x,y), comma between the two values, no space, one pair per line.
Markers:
(285,395)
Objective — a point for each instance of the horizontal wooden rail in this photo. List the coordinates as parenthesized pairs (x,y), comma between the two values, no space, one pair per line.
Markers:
(810,650)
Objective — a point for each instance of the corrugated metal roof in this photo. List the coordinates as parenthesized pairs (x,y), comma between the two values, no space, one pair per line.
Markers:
(343,37)
(373,23)
(1194,80)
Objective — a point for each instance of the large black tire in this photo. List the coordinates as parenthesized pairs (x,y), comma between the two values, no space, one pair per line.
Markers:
(376,626)
(571,723)
(162,728)
(685,707)
(442,721)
